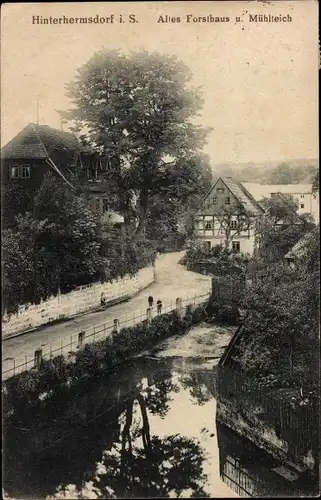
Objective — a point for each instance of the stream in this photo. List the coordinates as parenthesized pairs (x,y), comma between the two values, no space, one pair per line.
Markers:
(147,430)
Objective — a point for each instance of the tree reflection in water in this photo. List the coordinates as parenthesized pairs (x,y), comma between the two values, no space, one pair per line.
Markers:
(161,467)
(200,384)
(114,450)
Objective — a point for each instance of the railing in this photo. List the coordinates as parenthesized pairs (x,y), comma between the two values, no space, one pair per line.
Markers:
(98,332)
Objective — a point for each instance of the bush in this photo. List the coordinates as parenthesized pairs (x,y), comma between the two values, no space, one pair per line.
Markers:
(23,391)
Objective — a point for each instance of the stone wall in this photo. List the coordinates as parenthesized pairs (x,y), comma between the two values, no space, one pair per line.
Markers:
(79,301)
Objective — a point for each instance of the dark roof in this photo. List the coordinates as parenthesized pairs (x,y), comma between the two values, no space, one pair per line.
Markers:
(243,196)
(41,141)
(245,199)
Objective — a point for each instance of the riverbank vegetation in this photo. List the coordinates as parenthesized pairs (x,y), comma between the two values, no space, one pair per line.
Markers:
(26,390)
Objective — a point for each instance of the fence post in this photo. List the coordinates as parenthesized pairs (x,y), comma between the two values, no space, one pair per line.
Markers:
(81,338)
(179,308)
(149,315)
(38,358)
(116,328)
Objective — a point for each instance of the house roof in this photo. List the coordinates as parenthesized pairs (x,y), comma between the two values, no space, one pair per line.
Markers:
(41,142)
(259,191)
(299,249)
(59,149)
(242,195)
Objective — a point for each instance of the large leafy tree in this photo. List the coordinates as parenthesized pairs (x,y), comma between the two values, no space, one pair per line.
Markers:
(136,111)
(56,246)
(281,227)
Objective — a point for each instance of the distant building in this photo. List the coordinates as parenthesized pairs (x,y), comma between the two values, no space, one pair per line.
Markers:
(228,217)
(308,203)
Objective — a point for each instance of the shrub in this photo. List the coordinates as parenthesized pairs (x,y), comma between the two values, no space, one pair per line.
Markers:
(55,375)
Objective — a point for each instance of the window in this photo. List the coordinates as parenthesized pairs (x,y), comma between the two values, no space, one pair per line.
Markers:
(20,171)
(233,224)
(236,246)
(302,196)
(301,205)
(14,172)
(227,200)
(207,245)
(220,190)
(214,200)
(25,171)
(208,224)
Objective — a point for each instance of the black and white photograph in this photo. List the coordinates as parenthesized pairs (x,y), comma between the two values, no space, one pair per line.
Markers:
(160,250)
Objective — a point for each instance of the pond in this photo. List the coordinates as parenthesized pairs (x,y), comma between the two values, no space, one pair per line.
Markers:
(147,430)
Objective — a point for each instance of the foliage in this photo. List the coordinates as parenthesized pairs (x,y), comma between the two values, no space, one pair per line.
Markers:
(282,322)
(136,109)
(16,200)
(126,255)
(59,246)
(171,212)
(281,228)
(56,247)
(223,259)
(315,182)
(94,359)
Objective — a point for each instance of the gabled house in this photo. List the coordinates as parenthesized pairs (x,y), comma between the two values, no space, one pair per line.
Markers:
(228,217)
(38,150)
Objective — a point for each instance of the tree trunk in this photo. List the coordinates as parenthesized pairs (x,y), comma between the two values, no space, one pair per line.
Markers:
(146,437)
(126,435)
(142,213)
(292,355)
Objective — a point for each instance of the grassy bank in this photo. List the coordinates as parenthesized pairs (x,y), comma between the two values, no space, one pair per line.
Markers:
(29,389)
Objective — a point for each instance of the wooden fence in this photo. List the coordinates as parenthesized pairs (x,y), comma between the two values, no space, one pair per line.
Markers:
(297,423)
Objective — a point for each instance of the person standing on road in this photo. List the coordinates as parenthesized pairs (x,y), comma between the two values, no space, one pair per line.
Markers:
(102,300)
(150,301)
(159,306)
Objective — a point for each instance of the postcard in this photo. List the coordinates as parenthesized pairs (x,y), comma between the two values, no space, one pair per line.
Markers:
(160,249)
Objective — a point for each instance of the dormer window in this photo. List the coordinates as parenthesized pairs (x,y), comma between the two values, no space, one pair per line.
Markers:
(25,171)
(20,171)
(14,172)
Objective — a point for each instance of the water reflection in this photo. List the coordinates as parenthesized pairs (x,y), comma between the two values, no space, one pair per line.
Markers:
(104,427)
(149,430)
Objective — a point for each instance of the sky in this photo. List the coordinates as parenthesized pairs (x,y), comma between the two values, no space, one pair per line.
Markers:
(259,80)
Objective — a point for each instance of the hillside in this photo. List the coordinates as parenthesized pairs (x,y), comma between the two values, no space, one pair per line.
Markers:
(285,172)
